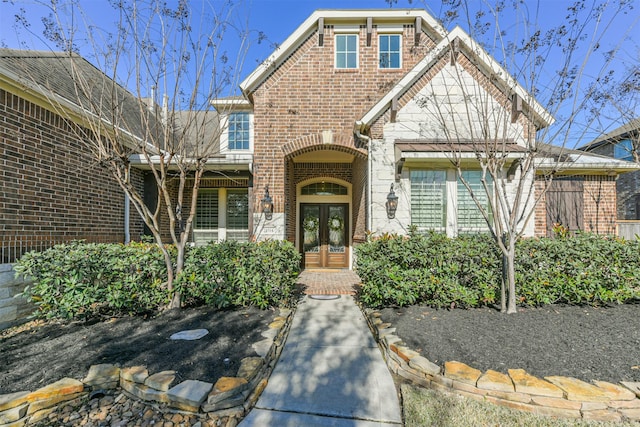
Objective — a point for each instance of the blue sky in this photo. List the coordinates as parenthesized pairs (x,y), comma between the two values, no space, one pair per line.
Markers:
(277,19)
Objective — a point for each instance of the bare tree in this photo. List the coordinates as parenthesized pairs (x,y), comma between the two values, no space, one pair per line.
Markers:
(149,99)
(502,122)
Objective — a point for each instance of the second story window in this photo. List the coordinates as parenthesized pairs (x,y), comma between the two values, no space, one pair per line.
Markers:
(239,131)
(389,51)
(623,150)
(346,51)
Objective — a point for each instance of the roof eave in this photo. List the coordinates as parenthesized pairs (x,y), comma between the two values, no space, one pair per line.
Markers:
(310,25)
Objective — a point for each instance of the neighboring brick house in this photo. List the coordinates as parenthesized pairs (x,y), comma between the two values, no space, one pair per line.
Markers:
(51,188)
(622,144)
(339,113)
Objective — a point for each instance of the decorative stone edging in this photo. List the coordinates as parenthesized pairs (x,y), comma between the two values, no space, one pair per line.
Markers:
(228,400)
(554,396)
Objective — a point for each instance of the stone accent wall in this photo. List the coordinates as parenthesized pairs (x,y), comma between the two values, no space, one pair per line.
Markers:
(14,309)
(306,96)
(52,188)
(599,205)
(553,396)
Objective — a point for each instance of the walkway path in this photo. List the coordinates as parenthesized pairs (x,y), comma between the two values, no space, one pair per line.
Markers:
(330,372)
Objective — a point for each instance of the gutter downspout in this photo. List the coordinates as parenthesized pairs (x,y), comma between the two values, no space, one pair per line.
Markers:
(357,129)
(127,230)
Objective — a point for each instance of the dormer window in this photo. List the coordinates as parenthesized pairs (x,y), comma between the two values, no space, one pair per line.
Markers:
(346,51)
(390,48)
(239,131)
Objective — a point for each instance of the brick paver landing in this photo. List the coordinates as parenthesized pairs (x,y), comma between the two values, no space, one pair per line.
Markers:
(329,282)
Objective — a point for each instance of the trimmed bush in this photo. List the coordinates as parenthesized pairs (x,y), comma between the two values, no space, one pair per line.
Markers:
(83,280)
(434,270)
(230,273)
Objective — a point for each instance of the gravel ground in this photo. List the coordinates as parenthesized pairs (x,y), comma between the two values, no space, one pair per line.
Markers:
(582,342)
(38,353)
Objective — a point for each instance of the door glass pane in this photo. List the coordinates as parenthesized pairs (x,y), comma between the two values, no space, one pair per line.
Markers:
(335,224)
(311,228)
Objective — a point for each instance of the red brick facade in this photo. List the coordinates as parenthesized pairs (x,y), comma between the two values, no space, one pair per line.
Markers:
(307,95)
(599,204)
(52,189)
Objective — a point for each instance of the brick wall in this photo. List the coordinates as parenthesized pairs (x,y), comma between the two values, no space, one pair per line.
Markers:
(52,190)
(628,187)
(599,210)
(305,96)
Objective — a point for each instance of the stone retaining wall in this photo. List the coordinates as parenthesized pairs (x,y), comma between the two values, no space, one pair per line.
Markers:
(554,396)
(227,401)
(13,308)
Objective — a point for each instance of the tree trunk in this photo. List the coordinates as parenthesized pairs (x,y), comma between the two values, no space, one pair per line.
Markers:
(503,293)
(176,299)
(511,278)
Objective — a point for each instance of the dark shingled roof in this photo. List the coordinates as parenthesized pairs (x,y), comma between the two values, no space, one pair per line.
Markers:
(56,73)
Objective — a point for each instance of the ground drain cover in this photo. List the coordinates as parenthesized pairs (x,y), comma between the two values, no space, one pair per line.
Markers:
(324,297)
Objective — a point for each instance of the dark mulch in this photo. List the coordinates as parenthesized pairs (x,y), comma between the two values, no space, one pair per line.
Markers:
(582,342)
(41,354)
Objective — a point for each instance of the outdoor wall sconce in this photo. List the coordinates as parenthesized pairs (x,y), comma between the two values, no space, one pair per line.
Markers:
(267,204)
(392,203)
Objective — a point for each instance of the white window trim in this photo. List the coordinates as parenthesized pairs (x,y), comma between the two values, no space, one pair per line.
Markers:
(335,50)
(224,137)
(222,229)
(451,211)
(400,52)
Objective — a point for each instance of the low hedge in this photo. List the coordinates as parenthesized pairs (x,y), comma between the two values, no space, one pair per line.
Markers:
(434,270)
(237,274)
(83,280)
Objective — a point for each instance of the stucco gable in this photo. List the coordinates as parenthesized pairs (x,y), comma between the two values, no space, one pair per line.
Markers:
(463,43)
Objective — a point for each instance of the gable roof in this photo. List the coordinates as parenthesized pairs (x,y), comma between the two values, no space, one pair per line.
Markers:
(615,135)
(509,85)
(47,78)
(554,158)
(331,17)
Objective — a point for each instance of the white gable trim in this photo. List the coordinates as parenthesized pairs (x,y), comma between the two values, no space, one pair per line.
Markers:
(543,117)
(338,18)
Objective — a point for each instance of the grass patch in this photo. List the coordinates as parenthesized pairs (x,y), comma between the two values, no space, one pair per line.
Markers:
(423,407)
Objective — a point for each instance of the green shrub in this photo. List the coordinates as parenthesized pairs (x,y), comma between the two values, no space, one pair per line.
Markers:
(81,280)
(466,271)
(238,274)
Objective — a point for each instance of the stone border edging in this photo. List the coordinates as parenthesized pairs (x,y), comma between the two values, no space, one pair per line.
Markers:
(228,400)
(554,396)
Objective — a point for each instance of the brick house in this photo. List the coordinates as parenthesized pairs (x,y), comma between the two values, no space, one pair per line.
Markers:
(622,144)
(347,107)
(350,104)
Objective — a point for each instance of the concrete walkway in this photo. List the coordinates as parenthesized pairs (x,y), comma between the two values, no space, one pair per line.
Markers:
(330,373)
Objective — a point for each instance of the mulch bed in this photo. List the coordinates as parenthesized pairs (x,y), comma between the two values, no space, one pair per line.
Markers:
(40,353)
(577,341)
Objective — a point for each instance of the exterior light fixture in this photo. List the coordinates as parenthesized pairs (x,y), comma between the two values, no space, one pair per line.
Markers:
(267,204)
(392,203)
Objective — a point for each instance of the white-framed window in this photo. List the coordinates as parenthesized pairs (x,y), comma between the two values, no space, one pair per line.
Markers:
(238,214)
(390,48)
(239,131)
(623,150)
(346,51)
(222,214)
(470,218)
(205,225)
(428,199)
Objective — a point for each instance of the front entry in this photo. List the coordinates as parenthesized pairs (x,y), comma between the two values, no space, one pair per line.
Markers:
(323,233)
